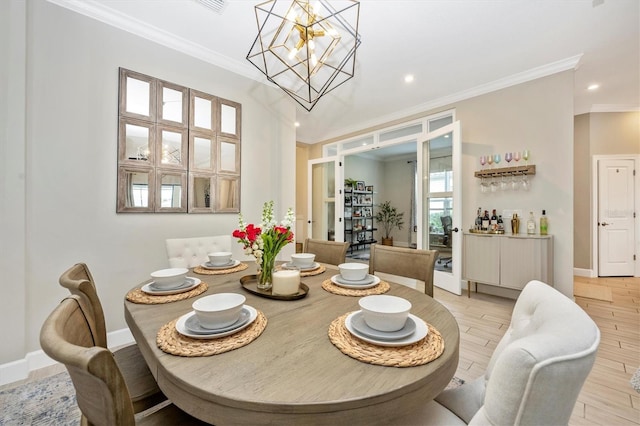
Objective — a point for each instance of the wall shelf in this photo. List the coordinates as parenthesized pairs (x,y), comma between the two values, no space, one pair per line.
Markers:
(507,171)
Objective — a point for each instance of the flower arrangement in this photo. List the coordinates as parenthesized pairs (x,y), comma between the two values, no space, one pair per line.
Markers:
(265,241)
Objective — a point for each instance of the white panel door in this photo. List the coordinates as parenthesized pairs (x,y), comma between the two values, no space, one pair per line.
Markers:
(615,218)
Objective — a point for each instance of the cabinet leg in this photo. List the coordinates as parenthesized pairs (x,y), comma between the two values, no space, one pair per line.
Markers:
(469,289)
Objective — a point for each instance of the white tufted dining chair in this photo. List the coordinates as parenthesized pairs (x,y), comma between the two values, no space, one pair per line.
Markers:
(191,252)
(535,373)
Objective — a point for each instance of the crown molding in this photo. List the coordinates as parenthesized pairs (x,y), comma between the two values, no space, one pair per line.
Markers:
(614,108)
(513,80)
(106,15)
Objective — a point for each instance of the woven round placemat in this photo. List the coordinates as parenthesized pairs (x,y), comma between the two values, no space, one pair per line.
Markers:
(381,288)
(139,296)
(320,269)
(419,353)
(203,271)
(170,341)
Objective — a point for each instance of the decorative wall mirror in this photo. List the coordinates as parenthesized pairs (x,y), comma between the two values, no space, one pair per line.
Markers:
(178,148)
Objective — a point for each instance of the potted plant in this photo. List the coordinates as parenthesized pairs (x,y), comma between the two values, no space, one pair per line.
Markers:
(388,218)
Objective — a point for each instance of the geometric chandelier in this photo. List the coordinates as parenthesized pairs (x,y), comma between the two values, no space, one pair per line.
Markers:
(307,48)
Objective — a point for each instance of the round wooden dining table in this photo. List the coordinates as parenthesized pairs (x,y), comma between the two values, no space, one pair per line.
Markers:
(292,374)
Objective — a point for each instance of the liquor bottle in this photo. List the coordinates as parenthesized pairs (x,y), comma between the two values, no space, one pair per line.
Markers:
(544,225)
(500,224)
(478,223)
(485,221)
(515,224)
(494,221)
(531,224)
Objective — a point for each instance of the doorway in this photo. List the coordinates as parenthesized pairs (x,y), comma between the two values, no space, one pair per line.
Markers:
(614,211)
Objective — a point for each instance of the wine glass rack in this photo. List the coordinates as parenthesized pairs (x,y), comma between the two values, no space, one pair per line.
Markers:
(528,170)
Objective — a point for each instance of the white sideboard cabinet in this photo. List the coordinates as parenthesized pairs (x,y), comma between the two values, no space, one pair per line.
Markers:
(506,260)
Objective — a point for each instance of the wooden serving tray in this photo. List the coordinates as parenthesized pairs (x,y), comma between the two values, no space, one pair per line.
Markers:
(250,283)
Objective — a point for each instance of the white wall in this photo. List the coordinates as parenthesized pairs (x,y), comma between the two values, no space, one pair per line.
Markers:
(70,166)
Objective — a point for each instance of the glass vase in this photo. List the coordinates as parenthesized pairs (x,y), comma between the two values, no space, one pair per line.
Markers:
(265,272)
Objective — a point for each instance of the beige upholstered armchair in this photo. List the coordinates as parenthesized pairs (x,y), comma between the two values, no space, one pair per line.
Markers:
(191,252)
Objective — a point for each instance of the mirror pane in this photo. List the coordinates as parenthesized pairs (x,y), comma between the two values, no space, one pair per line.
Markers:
(202,113)
(137,189)
(201,192)
(171,147)
(138,96)
(171,191)
(228,156)
(171,105)
(228,124)
(137,142)
(202,153)
(228,198)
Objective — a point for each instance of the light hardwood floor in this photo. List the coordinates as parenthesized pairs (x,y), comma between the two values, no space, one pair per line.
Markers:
(607,398)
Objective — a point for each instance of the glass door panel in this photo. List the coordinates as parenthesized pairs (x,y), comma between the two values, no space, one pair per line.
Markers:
(322,208)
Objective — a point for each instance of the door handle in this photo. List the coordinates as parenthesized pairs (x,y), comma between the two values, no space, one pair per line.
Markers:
(455,229)
(605,224)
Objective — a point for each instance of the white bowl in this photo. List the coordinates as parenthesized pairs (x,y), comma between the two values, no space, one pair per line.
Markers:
(169,278)
(385,313)
(219,258)
(218,310)
(353,271)
(303,260)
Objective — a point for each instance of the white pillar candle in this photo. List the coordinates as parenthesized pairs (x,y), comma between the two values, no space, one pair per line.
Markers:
(286,282)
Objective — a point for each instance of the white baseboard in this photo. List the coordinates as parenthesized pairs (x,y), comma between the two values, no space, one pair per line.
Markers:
(19,369)
(579,272)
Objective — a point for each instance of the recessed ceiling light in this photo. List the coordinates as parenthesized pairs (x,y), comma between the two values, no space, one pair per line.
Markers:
(297,124)
(593,86)
(408,78)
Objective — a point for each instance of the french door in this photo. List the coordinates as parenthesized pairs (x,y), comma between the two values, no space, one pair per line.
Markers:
(439,165)
(321,202)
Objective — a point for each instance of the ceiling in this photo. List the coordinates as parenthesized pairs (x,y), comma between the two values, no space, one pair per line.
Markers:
(456,49)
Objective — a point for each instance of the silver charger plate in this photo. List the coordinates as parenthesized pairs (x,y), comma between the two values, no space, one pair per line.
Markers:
(189,284)
(421,332)
(367,283)
(182,329)
(361,326)
(315,265)
(231,264)
(193,324)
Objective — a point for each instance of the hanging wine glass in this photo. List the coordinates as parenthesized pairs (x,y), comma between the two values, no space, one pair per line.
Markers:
(483,160)
(525,156)
(504,184)
(490,160)
(516,156)
(515,184)
(496,159)
(508,157)
(525,182)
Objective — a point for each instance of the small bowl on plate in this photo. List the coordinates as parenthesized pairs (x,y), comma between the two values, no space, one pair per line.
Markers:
(219,258)
(166,279)
(353,271)
(218,310)
(385,313)
(303,260)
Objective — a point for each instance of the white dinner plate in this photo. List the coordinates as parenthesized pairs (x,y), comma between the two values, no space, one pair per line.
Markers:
(361,326)
(192,324)
(315,265)
(189,284)
(368,279)
(182,329)
(416,336)
(353,284)
(231,264)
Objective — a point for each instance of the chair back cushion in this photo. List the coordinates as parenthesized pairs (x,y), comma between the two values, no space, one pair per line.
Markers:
(101,392)
(191,252)
(404,262)
(537,370)
(79,281)
(331,252)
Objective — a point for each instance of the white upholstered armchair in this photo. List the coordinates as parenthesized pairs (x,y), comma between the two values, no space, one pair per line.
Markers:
(191,252)
(535,373)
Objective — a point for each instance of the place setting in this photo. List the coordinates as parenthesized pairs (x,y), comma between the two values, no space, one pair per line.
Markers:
(306,263)
(384,332)
(218,323)
(220,262)
(168,285)
(354,280)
